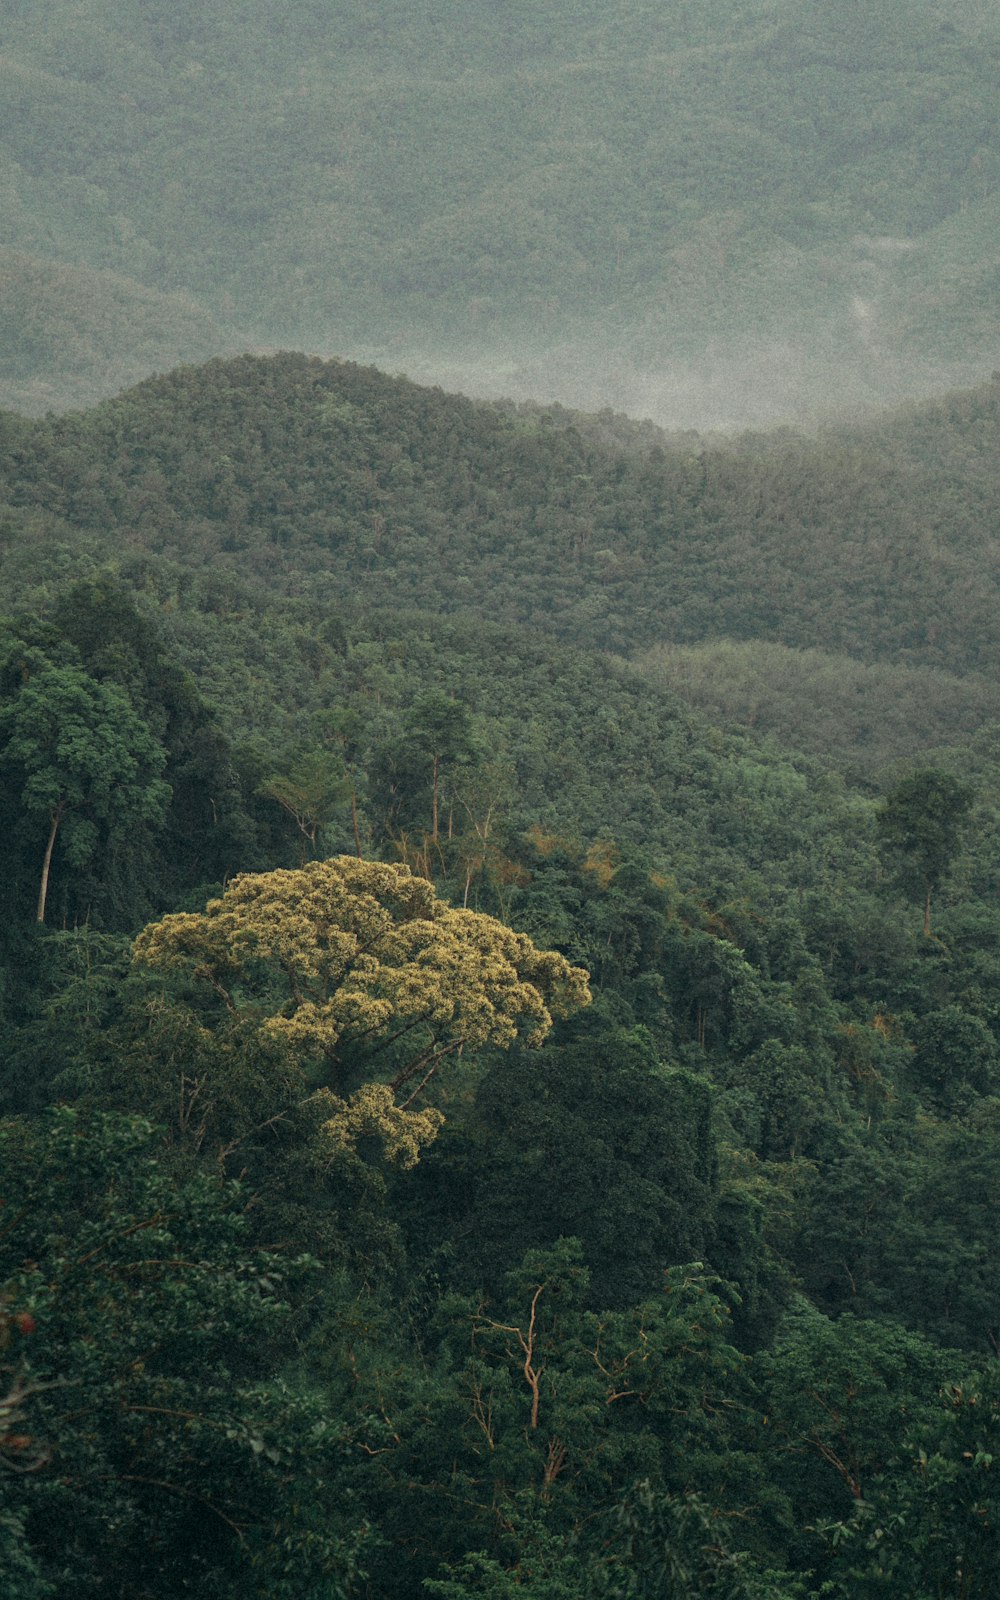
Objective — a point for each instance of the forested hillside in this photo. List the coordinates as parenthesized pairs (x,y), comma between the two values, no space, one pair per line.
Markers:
(880,546)
(500,999)
(707,212)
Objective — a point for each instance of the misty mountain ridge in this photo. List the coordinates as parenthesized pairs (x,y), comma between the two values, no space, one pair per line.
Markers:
(714,215)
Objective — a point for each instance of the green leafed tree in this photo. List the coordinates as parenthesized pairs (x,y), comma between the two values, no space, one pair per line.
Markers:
(81,759)
(410,779)
(313,789)
(145,1450)
(930,1526)
(920,825)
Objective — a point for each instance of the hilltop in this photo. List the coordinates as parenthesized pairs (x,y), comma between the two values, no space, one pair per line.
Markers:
(879,545)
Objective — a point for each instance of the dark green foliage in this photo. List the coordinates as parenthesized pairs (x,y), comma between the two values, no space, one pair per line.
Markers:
(161,1455)
(671,1547)
(840,1398)
(955,1057)
(81,764)
(920,825)
(536,1413)
(106,736)
(930,1526)
(594,1139)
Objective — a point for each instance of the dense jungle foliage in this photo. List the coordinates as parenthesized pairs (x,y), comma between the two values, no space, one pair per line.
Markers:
(711,210)
(350,1244)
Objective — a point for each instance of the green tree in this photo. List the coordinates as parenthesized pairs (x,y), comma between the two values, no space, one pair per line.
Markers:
(839,1397)
(143,1331)
(537,1414)
(955,1055)
(671,1547)
(920,825)
(81,758)
(435,739)
(931,1524)
(312,789)
(344,729)
(595,1140)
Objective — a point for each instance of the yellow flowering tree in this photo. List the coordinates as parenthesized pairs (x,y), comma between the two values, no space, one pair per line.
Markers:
(359,961)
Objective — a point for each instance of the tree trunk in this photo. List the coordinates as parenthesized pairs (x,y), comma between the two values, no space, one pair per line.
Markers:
(43,887)
(354,820)
(927,915)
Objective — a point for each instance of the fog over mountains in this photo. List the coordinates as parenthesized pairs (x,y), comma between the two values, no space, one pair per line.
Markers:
(713,214)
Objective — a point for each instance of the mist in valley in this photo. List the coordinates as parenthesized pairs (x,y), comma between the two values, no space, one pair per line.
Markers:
(753,382)
(718,217)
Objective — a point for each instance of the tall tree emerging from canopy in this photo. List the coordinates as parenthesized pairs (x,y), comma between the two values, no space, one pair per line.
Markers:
(312,791)
(82,758)
(360,963)
(920,825)
(441,730)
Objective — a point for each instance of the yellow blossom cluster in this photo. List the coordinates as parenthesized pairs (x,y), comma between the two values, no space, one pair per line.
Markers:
(346,952)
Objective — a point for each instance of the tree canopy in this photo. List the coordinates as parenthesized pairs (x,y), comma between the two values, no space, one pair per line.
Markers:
(357,961)
(920,824)
(83,758)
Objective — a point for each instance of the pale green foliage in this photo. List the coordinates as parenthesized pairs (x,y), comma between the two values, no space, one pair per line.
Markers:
(313,790)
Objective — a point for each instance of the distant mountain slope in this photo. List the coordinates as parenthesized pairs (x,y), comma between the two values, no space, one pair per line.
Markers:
(861,718)
(339,480)
(705,211)
(62,326)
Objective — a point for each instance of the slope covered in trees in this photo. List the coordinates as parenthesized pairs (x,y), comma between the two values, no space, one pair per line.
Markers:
(327,1266)
(714,210)
(281,468)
